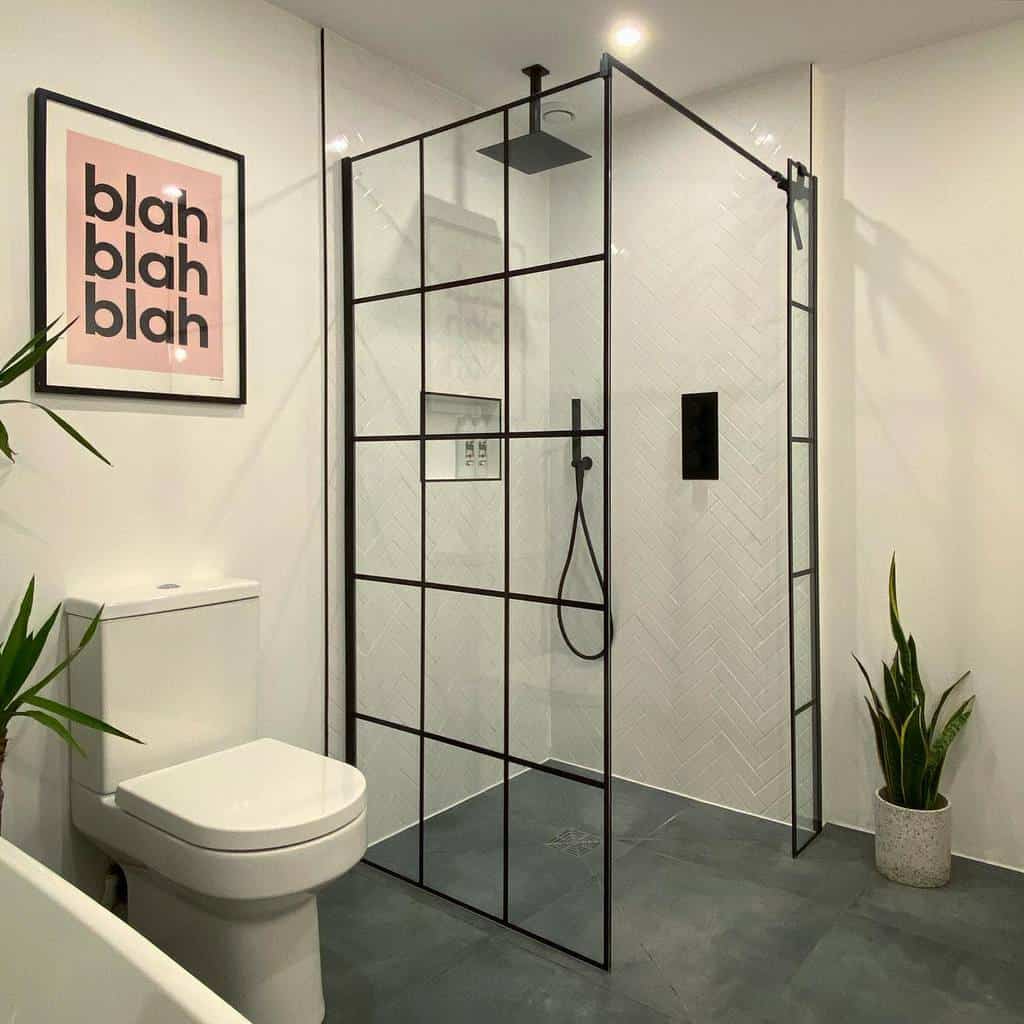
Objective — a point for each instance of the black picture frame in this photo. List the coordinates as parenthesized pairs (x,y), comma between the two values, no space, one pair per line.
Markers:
(42,98)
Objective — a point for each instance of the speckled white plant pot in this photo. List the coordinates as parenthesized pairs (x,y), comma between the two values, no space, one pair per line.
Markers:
(913,847)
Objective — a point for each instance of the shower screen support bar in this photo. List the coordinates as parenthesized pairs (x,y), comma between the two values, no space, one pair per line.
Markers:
(608,62)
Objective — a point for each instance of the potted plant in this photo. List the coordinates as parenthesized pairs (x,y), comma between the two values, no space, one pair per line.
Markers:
(912,818)
(20,651)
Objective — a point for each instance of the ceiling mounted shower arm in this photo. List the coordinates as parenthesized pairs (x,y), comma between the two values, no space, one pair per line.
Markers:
(608,62)
(535,73)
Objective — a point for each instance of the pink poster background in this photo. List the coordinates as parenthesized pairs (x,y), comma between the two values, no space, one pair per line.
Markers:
(153,175)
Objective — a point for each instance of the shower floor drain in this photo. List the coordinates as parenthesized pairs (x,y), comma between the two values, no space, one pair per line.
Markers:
(574,842)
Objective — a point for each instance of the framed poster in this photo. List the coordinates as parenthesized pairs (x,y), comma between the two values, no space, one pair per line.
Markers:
(140,239)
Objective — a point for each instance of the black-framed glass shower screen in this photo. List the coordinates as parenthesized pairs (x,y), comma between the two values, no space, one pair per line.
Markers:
(458,436)
(804,641)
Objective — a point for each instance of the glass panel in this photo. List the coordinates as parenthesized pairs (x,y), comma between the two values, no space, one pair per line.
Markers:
(386,221)
(803,641)
(388,508)
(465,677)
(557,212)
(390,760)
(800,241)
(556,860)
(463,841)
(806,773)
(556,699)
(464,207)
(800,382)
(801,499)
(466,340)
(465,524)
(387,365)
(556,347)
(542,505)
(388,627)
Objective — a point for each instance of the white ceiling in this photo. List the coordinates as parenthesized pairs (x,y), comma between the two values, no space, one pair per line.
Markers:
(476,47)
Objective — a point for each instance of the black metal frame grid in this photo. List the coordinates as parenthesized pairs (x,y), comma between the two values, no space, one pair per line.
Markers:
(505,436)
(802,187)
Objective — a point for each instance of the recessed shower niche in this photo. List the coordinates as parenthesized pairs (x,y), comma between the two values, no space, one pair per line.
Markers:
(469,447)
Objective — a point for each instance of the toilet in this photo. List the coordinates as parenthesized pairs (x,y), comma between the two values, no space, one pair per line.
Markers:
(224,836)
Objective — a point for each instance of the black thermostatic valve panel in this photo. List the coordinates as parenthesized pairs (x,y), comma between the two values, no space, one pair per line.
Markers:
(700,436)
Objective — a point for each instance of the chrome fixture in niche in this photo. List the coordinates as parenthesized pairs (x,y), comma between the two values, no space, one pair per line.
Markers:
(465,432)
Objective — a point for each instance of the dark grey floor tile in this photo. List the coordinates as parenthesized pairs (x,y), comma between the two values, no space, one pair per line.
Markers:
(866,971)
(835,868)
(713,922)
(981,910)
(378,935)
(504,983)
(687,941)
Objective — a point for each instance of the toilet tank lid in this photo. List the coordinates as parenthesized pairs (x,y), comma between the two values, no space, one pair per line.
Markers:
(119,602)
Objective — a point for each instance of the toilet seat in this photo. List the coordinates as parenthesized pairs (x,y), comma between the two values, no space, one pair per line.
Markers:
(172,801)
(261,795)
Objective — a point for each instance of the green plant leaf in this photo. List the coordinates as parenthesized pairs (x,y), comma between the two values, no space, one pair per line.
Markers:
(35,351)
(86,637)
(51,723)
(951,729)
(5,442)
(917,687)
(900,702)
(29,653)
(914,758)
(894,621)
(79,717)
(33,341)
(887,738)
(891,750)
(12,646)
(942,701)
(62,423)
(932,777)
(867,679)
(878,734)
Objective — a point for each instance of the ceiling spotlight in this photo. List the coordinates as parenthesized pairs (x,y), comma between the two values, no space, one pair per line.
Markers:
(628,36)
(339,144)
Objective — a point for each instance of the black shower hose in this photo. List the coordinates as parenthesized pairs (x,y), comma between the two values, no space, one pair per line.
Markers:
(579,519)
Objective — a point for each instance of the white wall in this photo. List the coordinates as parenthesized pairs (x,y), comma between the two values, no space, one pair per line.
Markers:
(922,222)
(194,488)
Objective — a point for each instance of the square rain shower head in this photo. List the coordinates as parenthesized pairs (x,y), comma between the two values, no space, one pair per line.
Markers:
(534,152)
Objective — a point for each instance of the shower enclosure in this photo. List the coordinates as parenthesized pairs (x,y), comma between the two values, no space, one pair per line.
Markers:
(484,624)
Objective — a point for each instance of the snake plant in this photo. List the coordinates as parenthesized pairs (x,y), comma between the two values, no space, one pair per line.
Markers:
(18,656)
(25,359)
(911,746)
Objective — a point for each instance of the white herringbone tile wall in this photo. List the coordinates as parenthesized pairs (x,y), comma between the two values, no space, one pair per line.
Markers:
(700,660)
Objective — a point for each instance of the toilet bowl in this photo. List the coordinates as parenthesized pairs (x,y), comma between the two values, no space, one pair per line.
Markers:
(224,839)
